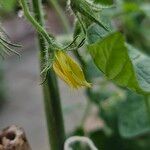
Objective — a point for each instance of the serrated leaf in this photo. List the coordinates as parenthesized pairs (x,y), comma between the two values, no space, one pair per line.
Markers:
(111,57)
(133,117)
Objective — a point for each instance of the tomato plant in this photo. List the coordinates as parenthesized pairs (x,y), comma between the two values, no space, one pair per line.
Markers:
(111,42)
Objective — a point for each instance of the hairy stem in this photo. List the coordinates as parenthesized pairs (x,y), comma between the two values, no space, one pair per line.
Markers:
(37,24)
(50,88)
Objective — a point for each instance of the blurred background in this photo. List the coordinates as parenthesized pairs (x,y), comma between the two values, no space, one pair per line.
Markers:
(21,101)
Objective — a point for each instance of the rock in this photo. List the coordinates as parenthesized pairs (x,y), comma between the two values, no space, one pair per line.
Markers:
(13,138)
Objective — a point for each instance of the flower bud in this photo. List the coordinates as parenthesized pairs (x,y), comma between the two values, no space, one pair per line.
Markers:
(69,71)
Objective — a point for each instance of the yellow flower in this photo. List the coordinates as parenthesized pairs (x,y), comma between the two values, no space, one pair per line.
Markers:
(69,71)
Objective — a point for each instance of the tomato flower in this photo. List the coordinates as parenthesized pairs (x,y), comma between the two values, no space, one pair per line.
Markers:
(69,71)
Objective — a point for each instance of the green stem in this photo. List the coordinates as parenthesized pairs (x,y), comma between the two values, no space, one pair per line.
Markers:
(50,88)
(61,15)
(36,24)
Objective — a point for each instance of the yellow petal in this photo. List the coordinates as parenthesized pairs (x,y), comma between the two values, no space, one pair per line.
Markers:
(78,73)
(61,74)
(64,65)
(69,71)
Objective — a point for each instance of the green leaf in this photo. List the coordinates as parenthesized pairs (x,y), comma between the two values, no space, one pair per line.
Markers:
(133,117)
(115,142)
(111,57)
(91,70)
(96,32)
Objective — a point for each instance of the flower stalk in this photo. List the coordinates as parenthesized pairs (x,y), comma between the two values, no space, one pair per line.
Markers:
(37,24)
